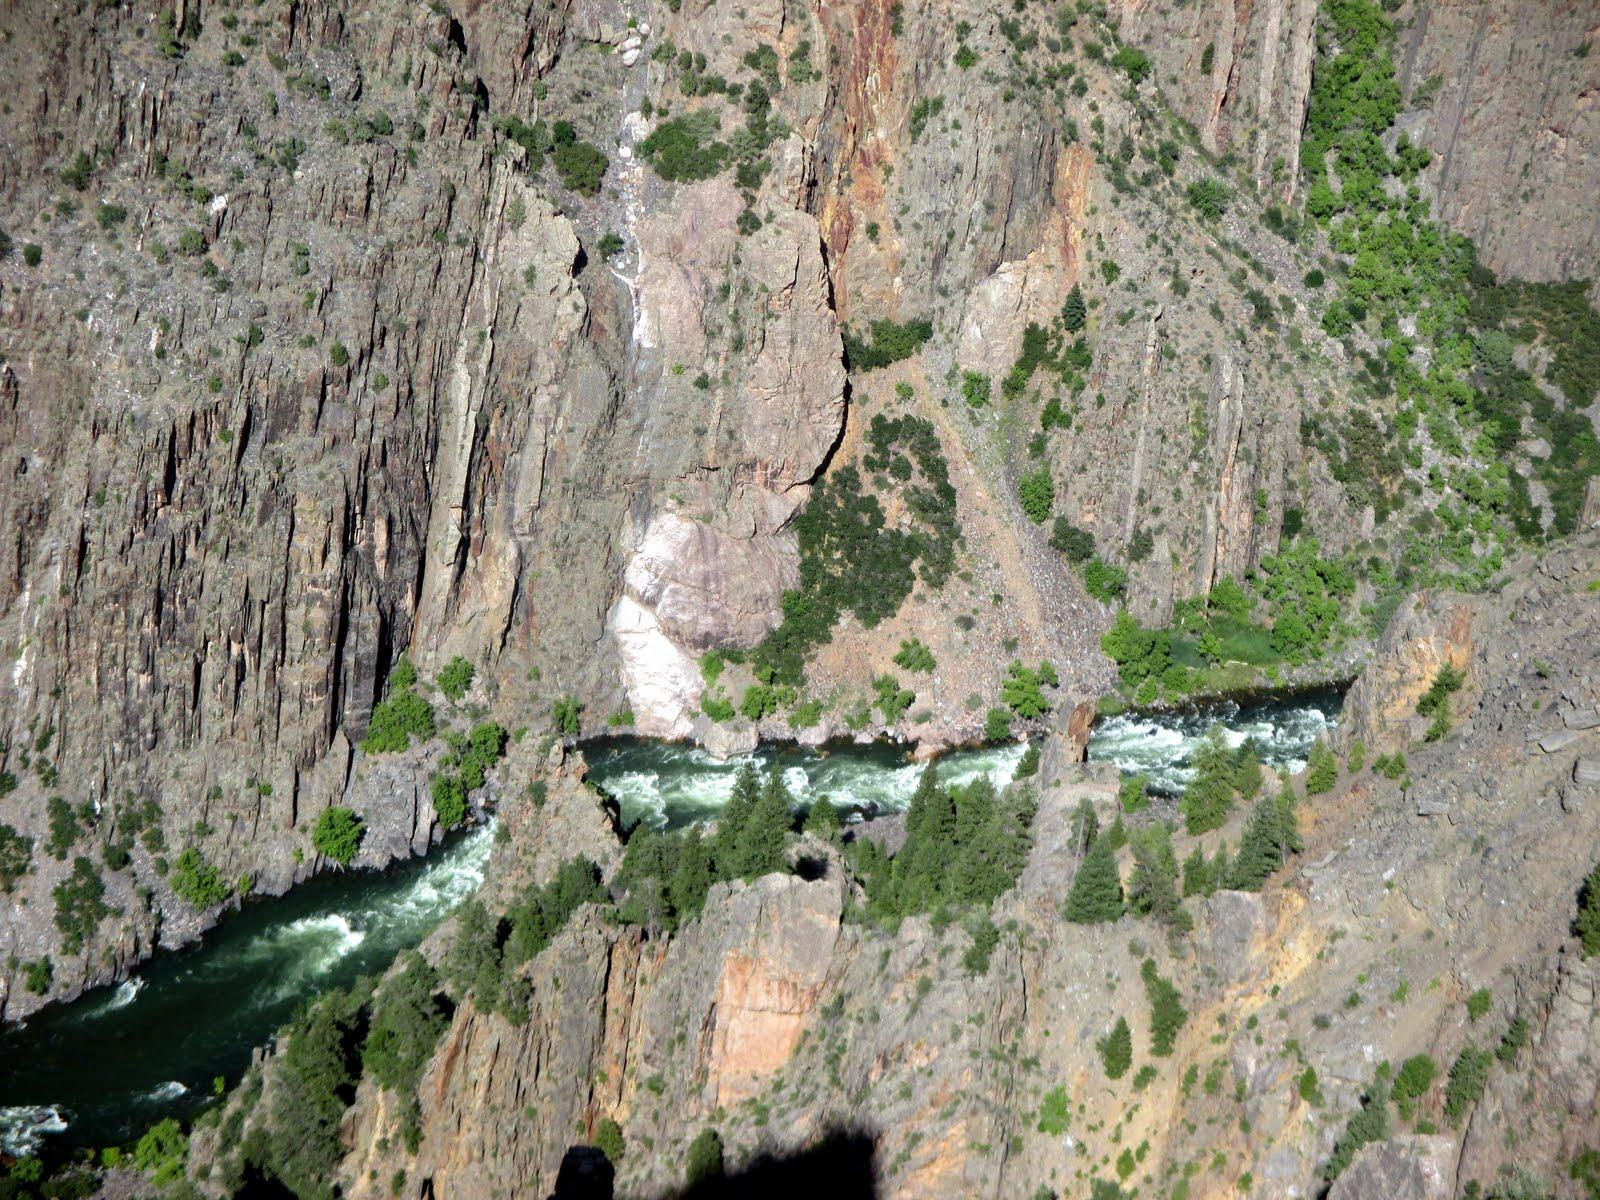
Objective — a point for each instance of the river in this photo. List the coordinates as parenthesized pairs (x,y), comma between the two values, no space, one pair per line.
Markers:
(101,1070)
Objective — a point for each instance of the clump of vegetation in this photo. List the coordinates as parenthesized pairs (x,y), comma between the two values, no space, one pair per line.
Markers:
(462,771)
(964,847)
(1322,770)
(1221,773)
(80,905)
(566,715)
(1038,493)
(1587,923)
(703,1162)
(684,148)
(850,557)
(162,1152)
(16,857)
(1469,1074)
(337,834)
(399,716)
(197,881)
(456,678)
(1369,1123)
(581,165)
(1167,1014)
(886,342)
(407,1019)
(1435,702)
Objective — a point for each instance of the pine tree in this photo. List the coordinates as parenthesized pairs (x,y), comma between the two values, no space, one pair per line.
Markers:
(823,819)
(1208,798)
(1247,769)
(1097,889)
(691,880)
(1117,835)
(1322,770)
(920,866)
(727,842)
(765,843)
(1262,848)
(1197,874)
(1074,313)
(1289,810)
(1116,1050)
(1153,886)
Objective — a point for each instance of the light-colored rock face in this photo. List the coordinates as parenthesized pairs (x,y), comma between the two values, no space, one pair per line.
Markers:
(1414,1168)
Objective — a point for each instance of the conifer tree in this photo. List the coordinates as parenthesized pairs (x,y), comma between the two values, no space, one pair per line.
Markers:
(1587,926)
(692,878)
(725,844)
(1116,1050)
(1097,889)
(823,819)
(1196,874)
(765,840)
(1153,884)
(1208,798)
(1322,770)
(1262,847)
(1085,827)
(1289,810)
(1074,313)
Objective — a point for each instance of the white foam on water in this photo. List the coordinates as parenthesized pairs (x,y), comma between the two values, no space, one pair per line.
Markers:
(24,1127)
(125,994)
(164,1093)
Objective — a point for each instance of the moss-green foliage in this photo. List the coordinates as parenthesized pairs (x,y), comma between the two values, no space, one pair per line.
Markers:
(299,1143)
(850,557)
(892,699)
(399,716)
(63,827)
(964,846)
(1116,1050)
(488,949)
(16,857)
(976,387)
(1028,764)
(1104,581)
(80,904)
(1270,836)
(822,819)
(1412,1081)
(162,1152)
(703,1162)
(1435,702)
(1077,545)
(1074,313)
(1209,197)
(1479,1004)
(1468,1076)
(337,834)
(1322,770)
(609,1141)
(1038,494)
(197,881)
(566,716)
(456,678)
(38,975)
(1055,1112)
(885,342)
(1167,1014)
(408,1016)
(1096,893)
(463,769)
(1369,1123)
(1587,923)
(581,165)
(1133,62)
(1403,264)
(914,655)
(1023,689)
(997,725)
(985,938)
(685,148)
(1304,594)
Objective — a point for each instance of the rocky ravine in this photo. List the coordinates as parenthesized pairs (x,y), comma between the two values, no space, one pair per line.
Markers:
(316,368)
(778,1020)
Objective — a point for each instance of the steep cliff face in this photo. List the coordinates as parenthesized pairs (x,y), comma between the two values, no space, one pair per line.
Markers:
(364,330)
(775,1019)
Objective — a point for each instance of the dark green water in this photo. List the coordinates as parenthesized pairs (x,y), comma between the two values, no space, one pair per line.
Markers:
(101,1070)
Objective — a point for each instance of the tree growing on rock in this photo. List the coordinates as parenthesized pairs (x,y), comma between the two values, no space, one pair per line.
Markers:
(1587,926)
(1096,894)
(1322,770)
(1116,1050)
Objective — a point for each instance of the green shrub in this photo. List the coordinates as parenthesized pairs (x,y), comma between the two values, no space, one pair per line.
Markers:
(1469,1074)
(38,975)
(16,856)
(32,254)
(582,166)
(1074,313)
(1134,62)
(63,827)
(1023,692)
(1077,545)
(1038,492)
(1103,581)
(997,725)
(399,717)
(608,1140)
(109,216)
(914,655)
(337,834)
(703,1163)
(1054,1112)
(887,342)
(449,800)
(681,149)
(197,881)
(610,245)
(1415,1077)
(975,386)
(985,937)
(80,905)
(1096,894)
(1479,1003)
(1435,702)
(566,715)
(1587,923)
(162,1152)
(456,678)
